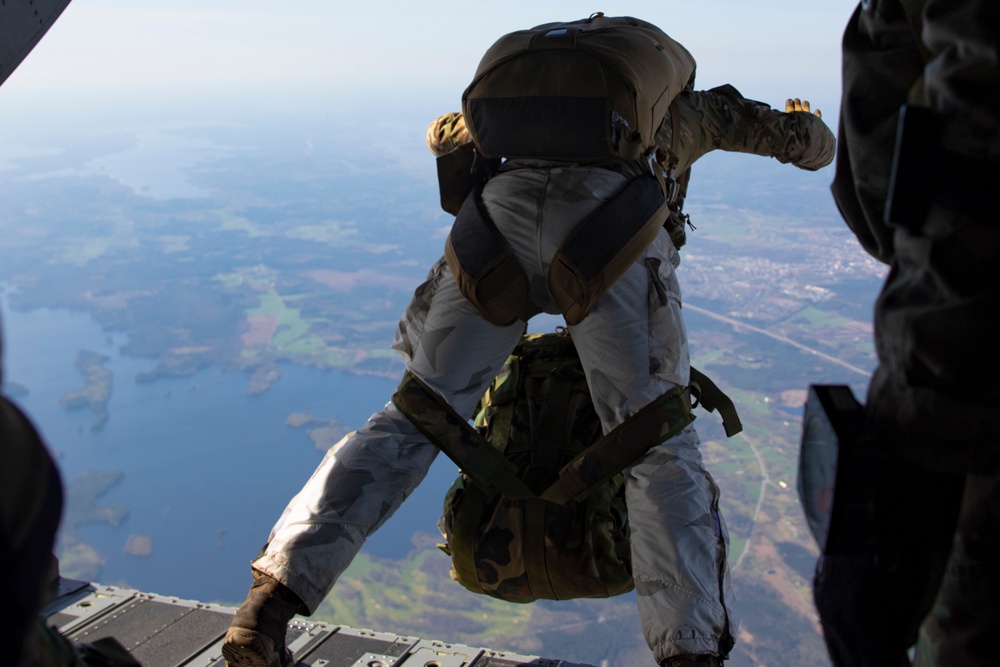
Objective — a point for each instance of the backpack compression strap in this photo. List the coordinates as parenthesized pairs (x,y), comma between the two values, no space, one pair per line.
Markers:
(452,434)
(487,466)
(624,445)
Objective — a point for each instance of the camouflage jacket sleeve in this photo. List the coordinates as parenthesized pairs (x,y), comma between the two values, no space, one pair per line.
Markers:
(723,119)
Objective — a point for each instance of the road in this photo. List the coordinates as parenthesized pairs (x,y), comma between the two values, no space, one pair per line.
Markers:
(737,324)
(765,477)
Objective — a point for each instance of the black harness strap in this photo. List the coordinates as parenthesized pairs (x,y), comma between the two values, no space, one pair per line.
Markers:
(460,442)
(710,397)
(624,445)
(602,247)
(487,273)
(489,469)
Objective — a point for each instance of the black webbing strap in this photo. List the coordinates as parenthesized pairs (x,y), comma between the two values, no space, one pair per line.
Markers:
(489,469)
(710,397)
(460,442)
(625,444)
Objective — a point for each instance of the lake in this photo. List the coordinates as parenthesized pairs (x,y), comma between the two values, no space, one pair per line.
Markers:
(207,468)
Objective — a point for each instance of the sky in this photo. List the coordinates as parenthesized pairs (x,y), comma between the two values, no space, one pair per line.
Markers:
(115,53)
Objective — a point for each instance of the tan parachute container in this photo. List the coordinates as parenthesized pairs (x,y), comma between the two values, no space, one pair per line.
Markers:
(592,90)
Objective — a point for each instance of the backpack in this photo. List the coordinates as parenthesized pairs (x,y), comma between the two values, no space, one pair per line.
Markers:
(538,511)
(539,415)
(593,90)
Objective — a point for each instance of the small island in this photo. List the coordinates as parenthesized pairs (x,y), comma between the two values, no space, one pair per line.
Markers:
(96,391)
(139,545)
(77,559)
(325,432)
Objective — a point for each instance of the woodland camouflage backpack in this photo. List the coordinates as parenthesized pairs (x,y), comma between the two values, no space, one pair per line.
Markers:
(539,509)
(539,415)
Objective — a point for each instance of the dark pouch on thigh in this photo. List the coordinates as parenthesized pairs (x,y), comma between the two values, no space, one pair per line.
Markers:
(486,271)
(603,246)
(458,174)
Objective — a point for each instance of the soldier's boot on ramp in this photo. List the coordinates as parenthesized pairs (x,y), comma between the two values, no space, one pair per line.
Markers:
(692,661)
(256,637)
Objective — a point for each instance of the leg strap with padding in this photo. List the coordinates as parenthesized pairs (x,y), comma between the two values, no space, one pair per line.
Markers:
(588,263)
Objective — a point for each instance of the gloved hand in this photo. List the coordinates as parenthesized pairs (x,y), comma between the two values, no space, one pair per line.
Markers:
(446,133)
(800,105)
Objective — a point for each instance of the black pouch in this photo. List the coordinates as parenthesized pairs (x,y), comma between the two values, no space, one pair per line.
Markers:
(459,172)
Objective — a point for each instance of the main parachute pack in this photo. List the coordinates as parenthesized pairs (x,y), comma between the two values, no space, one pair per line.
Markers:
(592,90)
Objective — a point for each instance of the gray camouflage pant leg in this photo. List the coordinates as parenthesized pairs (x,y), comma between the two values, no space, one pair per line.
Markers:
(365,477)
(678,537)
(360,482)
(679,546)
(633,346)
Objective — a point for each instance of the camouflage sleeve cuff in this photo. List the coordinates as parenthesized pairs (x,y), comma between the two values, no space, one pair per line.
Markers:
(446,133)
(809,142)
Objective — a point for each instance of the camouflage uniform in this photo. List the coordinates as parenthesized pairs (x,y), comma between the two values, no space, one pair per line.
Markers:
(633,347)
(723,119)
(935,395)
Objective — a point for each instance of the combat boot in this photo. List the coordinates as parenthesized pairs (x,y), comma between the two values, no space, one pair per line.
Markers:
(692,661)
(256,637)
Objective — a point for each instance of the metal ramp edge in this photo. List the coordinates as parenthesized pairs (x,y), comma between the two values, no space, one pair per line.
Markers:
(163,631)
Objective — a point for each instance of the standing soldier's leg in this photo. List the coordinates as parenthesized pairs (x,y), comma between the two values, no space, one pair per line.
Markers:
(634,348)
(961,628)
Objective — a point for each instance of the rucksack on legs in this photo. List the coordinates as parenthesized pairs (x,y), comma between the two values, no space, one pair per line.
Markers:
(539,415)
(538,511)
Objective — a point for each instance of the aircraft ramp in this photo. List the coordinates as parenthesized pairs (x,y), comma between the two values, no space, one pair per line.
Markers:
(163,631)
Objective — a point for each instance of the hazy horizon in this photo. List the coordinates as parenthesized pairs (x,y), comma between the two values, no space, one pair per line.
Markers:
(112,55)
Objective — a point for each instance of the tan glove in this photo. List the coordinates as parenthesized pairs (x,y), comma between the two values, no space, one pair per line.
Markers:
(800,105)
(446,133)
